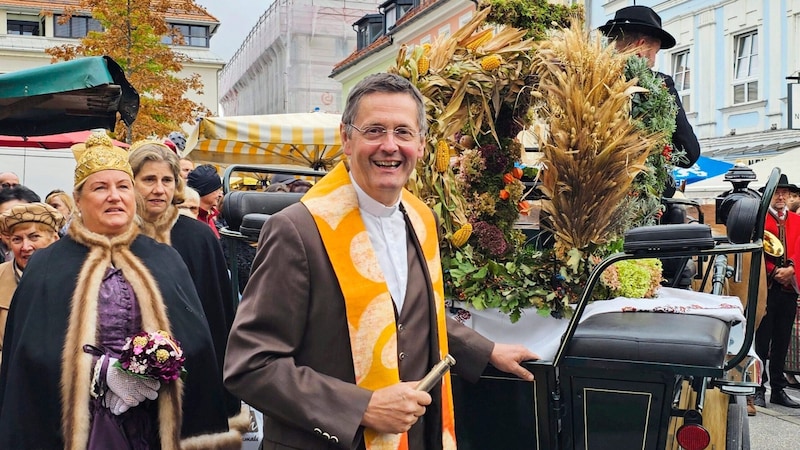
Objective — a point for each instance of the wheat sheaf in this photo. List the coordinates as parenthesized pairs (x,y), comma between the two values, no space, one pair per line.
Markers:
(592,150)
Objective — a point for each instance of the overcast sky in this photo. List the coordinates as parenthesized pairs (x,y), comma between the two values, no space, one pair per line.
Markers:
(237,18)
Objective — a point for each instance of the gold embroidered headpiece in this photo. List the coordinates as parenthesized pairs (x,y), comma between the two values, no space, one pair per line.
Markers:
(31,213)
(96,154)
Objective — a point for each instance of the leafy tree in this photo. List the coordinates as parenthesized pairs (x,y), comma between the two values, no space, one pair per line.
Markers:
(132,36)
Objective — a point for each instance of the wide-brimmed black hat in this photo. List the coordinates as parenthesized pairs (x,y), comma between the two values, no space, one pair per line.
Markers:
(641,19)
(783,183)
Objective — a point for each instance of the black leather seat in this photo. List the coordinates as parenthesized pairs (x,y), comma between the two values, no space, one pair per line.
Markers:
(252,224)
(684,339)
(238,204)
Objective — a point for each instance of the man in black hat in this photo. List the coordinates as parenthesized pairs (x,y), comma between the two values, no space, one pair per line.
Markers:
(774,332)
(292,184)
(639,28)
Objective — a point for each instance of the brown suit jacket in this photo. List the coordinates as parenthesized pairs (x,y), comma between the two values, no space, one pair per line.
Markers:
(289,353)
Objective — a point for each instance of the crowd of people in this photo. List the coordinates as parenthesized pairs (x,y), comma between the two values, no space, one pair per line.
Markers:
(341,317)
(88,272)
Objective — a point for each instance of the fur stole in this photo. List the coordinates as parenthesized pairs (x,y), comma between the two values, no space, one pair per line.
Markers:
(77,365)
(161,228)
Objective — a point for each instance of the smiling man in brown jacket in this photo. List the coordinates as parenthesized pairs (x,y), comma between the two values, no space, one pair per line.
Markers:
(344,311)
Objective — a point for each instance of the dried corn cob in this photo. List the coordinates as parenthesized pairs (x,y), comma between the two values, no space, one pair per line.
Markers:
(423,65)
(478,39)
(491,62)
(461,236)
(442,156)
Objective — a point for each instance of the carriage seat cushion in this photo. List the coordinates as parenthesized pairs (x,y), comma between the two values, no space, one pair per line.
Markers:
(252,224)
(238,204)
(685,339)
(684,236)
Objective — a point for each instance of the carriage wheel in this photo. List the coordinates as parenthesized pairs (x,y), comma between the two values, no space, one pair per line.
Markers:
(738,427)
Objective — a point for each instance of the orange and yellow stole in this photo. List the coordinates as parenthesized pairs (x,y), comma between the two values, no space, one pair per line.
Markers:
(370,312)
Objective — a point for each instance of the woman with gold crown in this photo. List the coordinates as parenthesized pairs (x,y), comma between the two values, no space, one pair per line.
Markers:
(106,343)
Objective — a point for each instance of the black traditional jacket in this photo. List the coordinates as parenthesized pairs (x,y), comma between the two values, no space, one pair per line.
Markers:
(32,398)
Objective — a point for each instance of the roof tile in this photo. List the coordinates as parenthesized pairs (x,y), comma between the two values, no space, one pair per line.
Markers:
(356,55)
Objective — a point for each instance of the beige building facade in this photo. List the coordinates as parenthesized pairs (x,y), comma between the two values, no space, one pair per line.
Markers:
(28,27)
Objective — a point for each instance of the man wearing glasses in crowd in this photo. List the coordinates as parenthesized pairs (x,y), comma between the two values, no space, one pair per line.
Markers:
(8,179)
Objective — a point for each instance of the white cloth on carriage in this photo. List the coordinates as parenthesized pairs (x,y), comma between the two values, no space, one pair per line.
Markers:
(677,301)
(542,334)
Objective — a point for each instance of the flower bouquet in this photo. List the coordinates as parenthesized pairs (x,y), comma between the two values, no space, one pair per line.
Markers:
(154,355)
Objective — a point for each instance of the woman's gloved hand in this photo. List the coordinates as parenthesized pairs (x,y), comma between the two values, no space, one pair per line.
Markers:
(115,404)
(129,388)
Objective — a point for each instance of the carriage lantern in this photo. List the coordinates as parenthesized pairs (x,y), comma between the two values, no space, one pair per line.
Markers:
(740,176)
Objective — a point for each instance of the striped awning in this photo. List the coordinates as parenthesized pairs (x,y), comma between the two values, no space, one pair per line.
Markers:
(303,139)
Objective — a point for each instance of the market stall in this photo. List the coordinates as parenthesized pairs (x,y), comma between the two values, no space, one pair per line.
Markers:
(75,95)
(44,110)
(303,139)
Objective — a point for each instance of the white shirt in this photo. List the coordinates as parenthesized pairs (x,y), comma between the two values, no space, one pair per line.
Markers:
(387,233)
(778,214)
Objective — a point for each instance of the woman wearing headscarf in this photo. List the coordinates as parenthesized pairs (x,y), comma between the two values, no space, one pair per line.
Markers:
(28,227)
(61,385)
(205,180)
(159,189)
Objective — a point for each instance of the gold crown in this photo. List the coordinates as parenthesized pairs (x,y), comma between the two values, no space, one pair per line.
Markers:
(99,153)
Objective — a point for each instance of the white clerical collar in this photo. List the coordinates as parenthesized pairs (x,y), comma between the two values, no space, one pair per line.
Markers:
(370,205)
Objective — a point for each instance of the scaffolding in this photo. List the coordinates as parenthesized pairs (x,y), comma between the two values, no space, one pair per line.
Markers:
(284,63)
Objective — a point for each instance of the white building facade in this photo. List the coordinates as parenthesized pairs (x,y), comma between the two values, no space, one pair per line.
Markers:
(730,66)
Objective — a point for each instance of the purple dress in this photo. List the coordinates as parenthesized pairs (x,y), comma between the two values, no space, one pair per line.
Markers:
(119,317)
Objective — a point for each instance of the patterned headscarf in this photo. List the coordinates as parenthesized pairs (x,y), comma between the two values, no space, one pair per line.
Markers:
(31,213)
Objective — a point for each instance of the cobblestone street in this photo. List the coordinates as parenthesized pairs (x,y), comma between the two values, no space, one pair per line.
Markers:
(776,427)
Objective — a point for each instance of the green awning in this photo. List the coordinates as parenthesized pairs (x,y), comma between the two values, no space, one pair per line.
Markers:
(75,95)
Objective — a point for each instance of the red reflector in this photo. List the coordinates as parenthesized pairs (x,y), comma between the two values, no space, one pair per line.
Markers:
(693,437)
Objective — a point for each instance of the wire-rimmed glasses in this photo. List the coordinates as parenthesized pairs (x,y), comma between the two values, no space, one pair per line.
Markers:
(375,133)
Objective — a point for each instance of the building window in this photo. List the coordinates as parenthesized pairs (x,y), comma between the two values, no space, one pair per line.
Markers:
(75,27)
(745,68)
(444,31)
(24,28)
(682,77)
(464,19)
(193,35)
(369,28)
(394,10)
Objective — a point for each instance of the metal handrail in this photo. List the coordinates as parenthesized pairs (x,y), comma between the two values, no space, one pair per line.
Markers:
(267,169)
